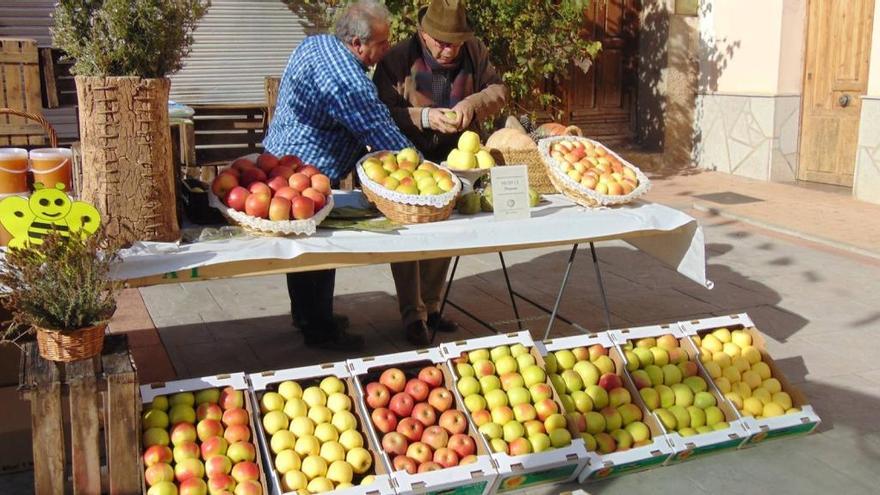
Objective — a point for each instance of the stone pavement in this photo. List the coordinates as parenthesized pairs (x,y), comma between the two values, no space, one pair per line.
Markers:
(804,263)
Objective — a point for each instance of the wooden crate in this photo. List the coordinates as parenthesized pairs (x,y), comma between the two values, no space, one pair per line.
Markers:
(226,132)
(103,396)
(20,90)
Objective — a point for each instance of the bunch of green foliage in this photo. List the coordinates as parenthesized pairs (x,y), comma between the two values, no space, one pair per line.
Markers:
(62,284)
(141,38)
(532,43)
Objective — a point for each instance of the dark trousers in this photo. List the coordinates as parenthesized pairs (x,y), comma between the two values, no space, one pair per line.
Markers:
(311,300)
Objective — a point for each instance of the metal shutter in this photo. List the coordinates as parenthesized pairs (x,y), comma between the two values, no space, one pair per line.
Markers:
(237,44)
(27,19)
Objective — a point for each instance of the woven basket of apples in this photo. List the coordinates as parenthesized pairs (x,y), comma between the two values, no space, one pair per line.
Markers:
(407,189)
(589,173)
(268,195)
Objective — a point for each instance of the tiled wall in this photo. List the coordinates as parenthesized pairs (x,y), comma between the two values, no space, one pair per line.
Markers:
(750,136)
(866,185)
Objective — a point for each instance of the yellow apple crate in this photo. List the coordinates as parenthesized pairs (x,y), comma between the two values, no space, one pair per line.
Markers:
(408,208)
(800,422)
(237,381)
(269,381)
(477,478)
(574,190)
(524,472)
(603,466)
(689,447)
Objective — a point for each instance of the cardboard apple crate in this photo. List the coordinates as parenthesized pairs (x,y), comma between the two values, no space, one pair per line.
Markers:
(705,443)
(237,381)
(477,478)
(524,472)
(759,430)
(603,466)
(312,375)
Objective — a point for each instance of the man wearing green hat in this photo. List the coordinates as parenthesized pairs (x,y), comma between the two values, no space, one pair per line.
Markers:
(437,84)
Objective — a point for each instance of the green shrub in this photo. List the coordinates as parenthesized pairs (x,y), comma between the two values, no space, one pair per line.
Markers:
(142,38)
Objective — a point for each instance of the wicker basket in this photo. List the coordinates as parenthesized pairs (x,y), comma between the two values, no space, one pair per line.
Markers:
(578,193)
(538,179)
(271,228)
(71,346)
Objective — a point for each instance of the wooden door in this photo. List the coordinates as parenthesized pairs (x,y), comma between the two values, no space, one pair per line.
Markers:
(602,101)
(835,79)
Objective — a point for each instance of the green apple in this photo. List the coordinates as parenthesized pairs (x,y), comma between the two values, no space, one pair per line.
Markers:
(351,439)
(518,395)
(558,383)
(661,357)
(632,360)
(154,418)
(160,403)
(468,385)
(595,422)
(704,400)
(474,402)
(655,374)
(182,413)
(567,403)
(666,419)
(687,431)
(408,155)
(623,438)
(524,361)
(555,422)
(182,398)
(565,359)
(464,369)
(498,352)
(629,413)
(540,442)
(704,429)
(533,374)
(492,430)
(650,397)
(613,419)
(682,418)
(560,438)
(598,395)
(698,416)
(582,402)
(478,355)
(489,383)
(667,396)
(683,395)
(589,441)
(156,436)
(496,398)
(645,356)
(588,372)
(723,425)
(512,430)
(639,431)
(572,381)
(209,395)
(696,383)
(550,364)
(671,374)
(505,364)
(605,364)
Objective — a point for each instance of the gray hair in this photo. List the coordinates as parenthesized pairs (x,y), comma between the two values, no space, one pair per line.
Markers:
(358,19)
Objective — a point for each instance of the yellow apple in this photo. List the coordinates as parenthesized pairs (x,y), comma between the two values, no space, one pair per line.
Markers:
(408,155)
(340,472)
(282,440)
(469,142)
(289,389)
(314,466)
(485,159)
(461,160)
(293,481)
(287,460)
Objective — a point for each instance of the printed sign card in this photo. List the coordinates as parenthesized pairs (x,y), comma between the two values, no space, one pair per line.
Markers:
(510,192)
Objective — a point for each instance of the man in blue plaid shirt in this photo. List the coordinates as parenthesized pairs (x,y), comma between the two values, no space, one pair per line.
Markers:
(328,113)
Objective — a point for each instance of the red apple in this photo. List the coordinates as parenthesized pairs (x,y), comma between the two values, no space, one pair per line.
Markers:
(243,164)
(251,175)
(241,451)
(519,446)
(446,457)
(231,171)
(321,183)
(208,428)
(206,410)
(394,379)
(267,161)
(309,170)
(454,421)
(237,433)
(378,395)
(279,209)
(411,429)
(300,182)
(462,444)
(257,205)
(222,184)
(158,473)
(290,161)
(609,381)
(193,486)
(424,413)
(419,452)
(235,416)
(282,171)
(429,466)
(182,433)
(287,193)
(186,450)
(597,350)
(302,208)
(220,483)
(249,487)
(440,399)
(394,443)
(260,188)
(482,417)
(402,404)
(157,454)
(468,460)
(276,183)
(384,420)
(214,446)
(435,437)
(217,465)
(188,469)
(432,376)
(316,196)
(417,389)
(247,470)
(404,463)
(230,399)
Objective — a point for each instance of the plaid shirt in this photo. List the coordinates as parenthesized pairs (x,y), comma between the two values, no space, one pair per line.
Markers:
(328,110)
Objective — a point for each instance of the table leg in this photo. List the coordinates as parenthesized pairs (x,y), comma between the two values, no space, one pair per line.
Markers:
(601,287)
(446,294)
(561,291)
(510,291)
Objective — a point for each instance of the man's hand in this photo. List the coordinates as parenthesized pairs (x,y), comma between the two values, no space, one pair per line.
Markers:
(439,122)
(464,113)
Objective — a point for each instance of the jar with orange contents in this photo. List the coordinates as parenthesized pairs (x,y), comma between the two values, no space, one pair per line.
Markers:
(51,166)
(13,170)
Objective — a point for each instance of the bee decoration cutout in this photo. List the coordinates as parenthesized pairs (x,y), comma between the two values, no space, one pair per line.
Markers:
(29,220)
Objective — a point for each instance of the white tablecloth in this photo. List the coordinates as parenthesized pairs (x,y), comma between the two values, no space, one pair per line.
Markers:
(669,235)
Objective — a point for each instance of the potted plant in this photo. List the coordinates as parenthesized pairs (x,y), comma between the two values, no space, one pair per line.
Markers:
(62,291)
(123,51)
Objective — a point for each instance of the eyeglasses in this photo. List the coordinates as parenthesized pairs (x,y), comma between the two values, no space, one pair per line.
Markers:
(443,44)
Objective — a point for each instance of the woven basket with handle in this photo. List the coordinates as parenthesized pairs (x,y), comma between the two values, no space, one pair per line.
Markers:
(538,179)
(71,346)
(50,131)
(409,214)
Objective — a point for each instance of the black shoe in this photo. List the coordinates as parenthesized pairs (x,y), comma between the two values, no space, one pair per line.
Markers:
(338,340)
(341,321)
(417,333)
(440,324)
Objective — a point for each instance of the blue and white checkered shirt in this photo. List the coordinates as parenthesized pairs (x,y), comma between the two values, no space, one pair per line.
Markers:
(328,110)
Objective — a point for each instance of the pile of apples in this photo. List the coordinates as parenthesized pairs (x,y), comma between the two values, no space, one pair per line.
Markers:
(405,173)
(314,438)
(469,154)
(273,188)
(593,167)
(193,436)
(511,403)
(598,407)
(739,372)
(420,427)
(671,387)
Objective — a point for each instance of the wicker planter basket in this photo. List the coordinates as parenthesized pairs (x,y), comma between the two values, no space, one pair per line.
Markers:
(538,179)
(408,208)
(65,347)
(578,193)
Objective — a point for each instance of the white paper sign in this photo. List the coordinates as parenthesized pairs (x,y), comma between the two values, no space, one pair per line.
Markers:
(510,192)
